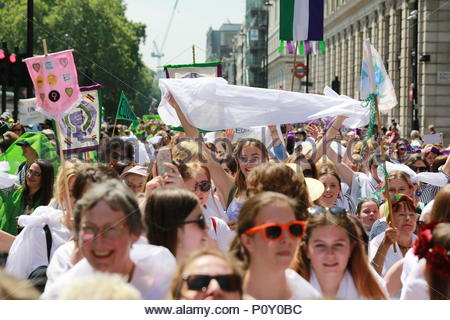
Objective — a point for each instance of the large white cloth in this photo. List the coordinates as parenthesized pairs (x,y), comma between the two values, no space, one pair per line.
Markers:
(300,288)
(213,104)
(152,274)
(391,256)
(29,249)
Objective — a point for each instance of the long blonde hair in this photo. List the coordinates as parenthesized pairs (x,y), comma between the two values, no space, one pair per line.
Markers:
(358,266)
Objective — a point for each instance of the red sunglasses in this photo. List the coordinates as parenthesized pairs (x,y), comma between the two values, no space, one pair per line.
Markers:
(274,231)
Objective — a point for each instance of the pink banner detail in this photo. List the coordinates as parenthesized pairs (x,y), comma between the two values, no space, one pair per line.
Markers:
(55,82)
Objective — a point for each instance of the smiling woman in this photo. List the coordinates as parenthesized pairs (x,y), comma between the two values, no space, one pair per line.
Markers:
(332,259)
(267,237)
(107,222)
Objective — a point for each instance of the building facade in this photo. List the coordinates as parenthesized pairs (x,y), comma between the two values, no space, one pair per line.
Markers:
(412,37)
(219,46)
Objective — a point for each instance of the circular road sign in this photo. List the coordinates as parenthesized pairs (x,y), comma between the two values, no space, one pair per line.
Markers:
(300,70)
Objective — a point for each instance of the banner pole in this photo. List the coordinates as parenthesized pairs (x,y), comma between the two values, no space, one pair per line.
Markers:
(293,68)
(386,184)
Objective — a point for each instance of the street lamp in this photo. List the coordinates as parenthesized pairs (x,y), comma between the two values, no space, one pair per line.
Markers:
(268,4)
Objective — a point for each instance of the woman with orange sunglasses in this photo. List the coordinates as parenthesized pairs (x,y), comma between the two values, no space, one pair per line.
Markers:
(332,258)
(267,237)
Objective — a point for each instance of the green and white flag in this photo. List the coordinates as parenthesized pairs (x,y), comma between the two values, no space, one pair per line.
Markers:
(124,111)
(301,20)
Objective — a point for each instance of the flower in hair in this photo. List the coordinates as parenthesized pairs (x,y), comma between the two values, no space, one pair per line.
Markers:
(423,244)
(438,260)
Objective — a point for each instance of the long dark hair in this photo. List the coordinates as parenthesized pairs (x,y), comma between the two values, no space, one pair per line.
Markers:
(45,192)
(164,212)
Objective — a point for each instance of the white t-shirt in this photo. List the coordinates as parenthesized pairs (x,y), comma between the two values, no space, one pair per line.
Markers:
(152,274)
(29,249)
(300,288)
(409,263)
(391,256)
(416,286)
(347,289)
(221,232)
(60,262)
(213,208)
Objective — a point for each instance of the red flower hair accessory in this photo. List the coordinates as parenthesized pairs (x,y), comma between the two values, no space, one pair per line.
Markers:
(438,258)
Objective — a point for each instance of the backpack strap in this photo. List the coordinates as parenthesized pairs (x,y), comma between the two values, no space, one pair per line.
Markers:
(48,238)
(231,195)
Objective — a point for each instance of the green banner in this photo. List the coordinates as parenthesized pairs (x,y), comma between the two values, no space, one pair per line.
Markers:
(124,110)
(151,116)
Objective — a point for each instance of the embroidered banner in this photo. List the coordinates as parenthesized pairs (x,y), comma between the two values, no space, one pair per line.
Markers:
(55,82)
(80,127)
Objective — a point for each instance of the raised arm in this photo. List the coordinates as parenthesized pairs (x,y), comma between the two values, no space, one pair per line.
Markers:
(223,181)
(331,133)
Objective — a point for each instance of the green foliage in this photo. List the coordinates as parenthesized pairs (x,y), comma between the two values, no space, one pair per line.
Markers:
(106,44)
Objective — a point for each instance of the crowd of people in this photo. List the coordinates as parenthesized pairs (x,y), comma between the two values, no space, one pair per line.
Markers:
(174,213)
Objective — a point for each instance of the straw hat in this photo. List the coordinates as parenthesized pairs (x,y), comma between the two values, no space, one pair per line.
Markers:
(315,187)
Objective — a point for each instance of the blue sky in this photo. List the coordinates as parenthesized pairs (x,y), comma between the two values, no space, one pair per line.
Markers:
(190,24)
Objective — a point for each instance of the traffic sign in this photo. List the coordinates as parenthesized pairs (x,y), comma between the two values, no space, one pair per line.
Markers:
(300,70)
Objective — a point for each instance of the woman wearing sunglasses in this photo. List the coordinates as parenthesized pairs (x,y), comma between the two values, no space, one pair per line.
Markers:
(249,153)
(332,258)
(37,190)
(267,237)
(207,274)
(197,179)
(174,219)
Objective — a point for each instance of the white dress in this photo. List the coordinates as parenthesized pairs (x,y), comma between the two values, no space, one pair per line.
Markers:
(29,249)
(152,274)
(416,286)
(391,256)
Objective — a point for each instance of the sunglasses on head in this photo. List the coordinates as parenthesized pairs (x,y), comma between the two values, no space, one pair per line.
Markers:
(333,210)
(274,231)
(203,186)
(199,282)
(200,222)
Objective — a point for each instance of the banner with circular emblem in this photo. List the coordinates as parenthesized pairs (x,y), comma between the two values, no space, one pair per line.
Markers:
(55,82)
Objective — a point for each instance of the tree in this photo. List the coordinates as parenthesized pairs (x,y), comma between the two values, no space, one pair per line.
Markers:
(106,44)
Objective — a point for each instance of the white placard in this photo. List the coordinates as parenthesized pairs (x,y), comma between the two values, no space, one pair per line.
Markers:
(435,138)
(28,114)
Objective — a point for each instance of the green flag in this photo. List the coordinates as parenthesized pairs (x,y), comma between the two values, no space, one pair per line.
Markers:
(124,111)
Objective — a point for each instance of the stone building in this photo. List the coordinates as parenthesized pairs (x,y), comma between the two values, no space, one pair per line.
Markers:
(412,37)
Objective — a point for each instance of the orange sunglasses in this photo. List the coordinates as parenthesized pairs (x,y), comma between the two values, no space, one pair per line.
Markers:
(274,231)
